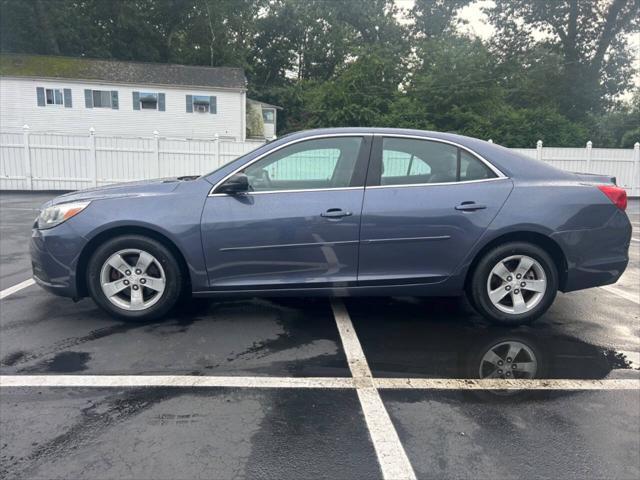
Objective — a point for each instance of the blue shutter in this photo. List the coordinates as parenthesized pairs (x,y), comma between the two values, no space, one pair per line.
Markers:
(88,99)
(161,102)
(40,95)
(114,99)
(189,104)
(136,100)
(213,107)
(67,98)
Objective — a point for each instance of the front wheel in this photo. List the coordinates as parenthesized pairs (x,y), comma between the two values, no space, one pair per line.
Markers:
(134,277)
(514,283)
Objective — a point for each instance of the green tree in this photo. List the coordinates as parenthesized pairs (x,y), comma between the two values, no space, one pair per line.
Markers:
(590,38)
(435,18)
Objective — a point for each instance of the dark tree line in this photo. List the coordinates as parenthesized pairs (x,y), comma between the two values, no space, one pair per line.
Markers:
(554,70)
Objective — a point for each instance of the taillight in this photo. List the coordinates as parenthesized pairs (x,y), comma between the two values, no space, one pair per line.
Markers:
(617,195)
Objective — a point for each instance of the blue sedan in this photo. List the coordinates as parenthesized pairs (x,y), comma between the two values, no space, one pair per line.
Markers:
(357,211)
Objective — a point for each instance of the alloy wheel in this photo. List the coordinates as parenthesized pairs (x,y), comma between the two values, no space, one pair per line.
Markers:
(516,284)
(132,279)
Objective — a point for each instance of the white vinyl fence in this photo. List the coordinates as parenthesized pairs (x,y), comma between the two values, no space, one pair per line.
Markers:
(54,161)
(624,164)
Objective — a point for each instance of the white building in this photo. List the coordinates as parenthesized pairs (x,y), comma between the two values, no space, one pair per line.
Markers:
(64,94)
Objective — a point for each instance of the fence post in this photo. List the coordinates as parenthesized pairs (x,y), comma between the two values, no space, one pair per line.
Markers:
(636,170)
(27,157)
(589,145)
(539,150)
(156,151)
(93,156)
(216,139)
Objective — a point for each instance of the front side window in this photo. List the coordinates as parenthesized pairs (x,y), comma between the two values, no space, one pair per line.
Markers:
(412,161)
(311,164)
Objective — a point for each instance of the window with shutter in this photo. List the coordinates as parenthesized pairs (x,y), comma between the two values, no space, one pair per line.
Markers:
(148,101)
(101,98)
(201,103)
(53,96)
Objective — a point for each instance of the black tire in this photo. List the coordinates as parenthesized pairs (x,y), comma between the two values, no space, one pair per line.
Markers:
(479,296)
(172,272)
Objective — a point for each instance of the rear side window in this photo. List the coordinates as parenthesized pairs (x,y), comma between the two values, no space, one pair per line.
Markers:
(408,161)
(412,161)
(473,169)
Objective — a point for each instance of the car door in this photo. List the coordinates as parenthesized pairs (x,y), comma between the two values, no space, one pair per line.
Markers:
(298,226)
(426,203)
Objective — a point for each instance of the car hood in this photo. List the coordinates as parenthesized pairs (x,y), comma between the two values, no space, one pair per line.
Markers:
(157,186)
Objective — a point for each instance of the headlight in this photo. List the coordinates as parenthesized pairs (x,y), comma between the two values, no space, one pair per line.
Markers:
(56,214)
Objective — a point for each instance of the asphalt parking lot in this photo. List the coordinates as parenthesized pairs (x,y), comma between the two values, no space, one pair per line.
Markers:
(311,388)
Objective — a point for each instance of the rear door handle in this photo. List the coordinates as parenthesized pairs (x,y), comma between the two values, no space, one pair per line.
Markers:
(470,206)
(335,213)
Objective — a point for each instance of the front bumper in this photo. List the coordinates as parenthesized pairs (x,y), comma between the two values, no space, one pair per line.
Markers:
(597,256)
(54,259)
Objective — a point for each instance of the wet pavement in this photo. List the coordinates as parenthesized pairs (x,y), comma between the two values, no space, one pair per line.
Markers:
(220,432)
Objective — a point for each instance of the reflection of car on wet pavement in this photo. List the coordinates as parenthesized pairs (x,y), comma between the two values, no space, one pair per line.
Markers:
(446,345)
(342,212)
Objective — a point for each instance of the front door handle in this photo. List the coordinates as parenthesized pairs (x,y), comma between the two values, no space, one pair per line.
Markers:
(470,207)
(335,213)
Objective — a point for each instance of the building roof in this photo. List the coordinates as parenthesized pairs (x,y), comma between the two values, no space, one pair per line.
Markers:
(115,71)
(265,104)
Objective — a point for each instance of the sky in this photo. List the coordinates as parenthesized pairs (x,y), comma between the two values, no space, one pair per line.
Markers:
(478,25)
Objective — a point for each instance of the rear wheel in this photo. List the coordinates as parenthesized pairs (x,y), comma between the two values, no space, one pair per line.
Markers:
(134,277)
(514,283)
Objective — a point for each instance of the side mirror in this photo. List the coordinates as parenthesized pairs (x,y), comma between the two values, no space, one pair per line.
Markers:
(238,183)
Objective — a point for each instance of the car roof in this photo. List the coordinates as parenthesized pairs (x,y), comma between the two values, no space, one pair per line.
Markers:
(511,163)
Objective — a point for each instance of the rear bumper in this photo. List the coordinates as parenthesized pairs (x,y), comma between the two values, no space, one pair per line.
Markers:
(54,259)
(597,256)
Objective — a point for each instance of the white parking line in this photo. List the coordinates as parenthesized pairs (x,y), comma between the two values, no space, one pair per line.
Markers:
(173,381)
(324,383)
(392,458)
(504,384)
(16,288)
(623,294)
